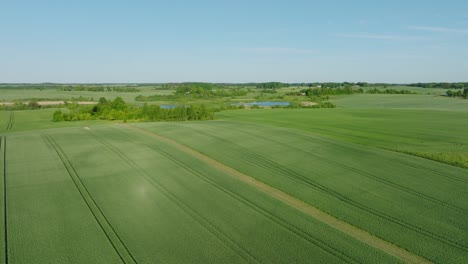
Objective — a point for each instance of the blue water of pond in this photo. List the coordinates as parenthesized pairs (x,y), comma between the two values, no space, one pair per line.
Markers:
(168,106)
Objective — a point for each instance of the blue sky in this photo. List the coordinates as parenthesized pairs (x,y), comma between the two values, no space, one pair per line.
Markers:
(233,41)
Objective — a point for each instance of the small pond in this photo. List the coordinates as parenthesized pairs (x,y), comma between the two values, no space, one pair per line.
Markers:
(168,106)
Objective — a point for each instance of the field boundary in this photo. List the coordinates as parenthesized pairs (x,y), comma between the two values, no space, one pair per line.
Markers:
(123,252)
(306,208)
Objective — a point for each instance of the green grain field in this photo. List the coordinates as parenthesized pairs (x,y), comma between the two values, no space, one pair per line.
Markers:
(379,179)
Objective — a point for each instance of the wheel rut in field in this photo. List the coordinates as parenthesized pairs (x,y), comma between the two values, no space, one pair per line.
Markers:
(5,231)
(293,175)
(327,247)
(306,208)
(346,167)
(309,135)
(118,245)
(212,229)
(11,121)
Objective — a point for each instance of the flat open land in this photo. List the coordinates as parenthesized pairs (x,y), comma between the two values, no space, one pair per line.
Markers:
(367,182)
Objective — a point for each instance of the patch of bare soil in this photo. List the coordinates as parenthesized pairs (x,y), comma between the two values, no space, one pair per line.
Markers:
(309,103)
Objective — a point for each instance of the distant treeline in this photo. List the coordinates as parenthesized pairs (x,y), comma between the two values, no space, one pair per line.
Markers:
(342,84)
(262,85)
(388,91)
(325,91)
(329,91)
(276,85)
(119,110)
(202,85)
(271,85)
(99,88)
(207,86)
(460,93)
(443,85)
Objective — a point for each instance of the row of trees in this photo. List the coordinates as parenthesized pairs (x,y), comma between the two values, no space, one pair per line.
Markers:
(389,91)
(99,88)
(263,85)
(271,85)
(460,93)
(119,110)
(317,92)
(341,84)
(443,85)
(202,93)
(325,91)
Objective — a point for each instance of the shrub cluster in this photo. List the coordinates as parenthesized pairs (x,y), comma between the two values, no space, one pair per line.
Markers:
(459,93)
(119,110)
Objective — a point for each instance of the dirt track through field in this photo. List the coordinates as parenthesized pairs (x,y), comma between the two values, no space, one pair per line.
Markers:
(308,209)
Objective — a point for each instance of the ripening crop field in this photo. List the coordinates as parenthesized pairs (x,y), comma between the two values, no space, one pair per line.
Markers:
(254,186)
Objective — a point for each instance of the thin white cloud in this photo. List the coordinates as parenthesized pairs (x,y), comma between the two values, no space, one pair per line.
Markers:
(280,50)
(363,22)
(440,29)
(366,36)
(376,36)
